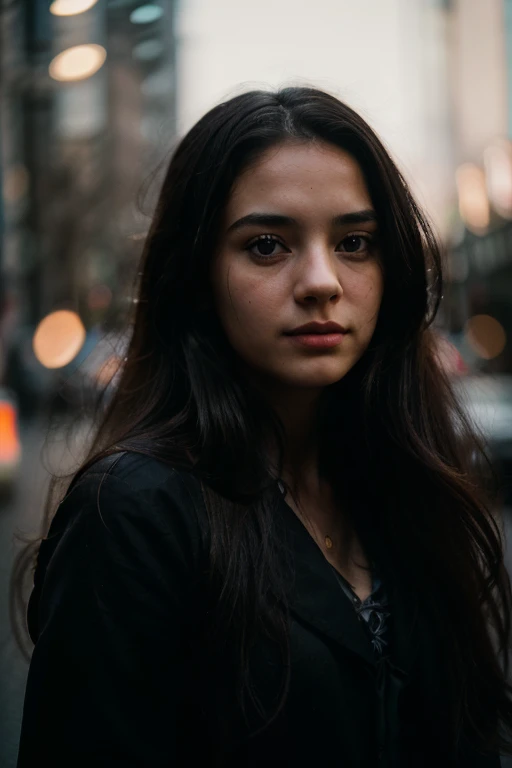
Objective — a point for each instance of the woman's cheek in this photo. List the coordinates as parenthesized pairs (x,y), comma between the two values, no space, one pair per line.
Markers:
(367,291)
(258,304)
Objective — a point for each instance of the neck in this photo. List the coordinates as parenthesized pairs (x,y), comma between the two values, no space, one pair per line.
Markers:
(297,410)
(298,413)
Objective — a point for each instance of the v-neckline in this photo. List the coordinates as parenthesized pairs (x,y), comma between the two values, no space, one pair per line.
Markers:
(314,591)
(319,548)
(353,594)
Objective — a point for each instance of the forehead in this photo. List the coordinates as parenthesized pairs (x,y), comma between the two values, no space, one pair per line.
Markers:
(299,174)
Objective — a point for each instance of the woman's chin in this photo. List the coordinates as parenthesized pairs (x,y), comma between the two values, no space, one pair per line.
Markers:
(316,379)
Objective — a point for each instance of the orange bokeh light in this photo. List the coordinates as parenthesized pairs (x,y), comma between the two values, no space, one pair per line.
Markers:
(486,336)
(58,339)
(473,201)
(10,448)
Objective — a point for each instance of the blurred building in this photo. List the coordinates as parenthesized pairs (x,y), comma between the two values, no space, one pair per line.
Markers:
(386,58)
(88,110)
(479,298)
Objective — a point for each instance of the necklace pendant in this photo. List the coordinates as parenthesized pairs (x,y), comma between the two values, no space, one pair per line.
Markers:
(328,542)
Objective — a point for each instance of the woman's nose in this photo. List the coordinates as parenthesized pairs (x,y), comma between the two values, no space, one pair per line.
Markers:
(317,279)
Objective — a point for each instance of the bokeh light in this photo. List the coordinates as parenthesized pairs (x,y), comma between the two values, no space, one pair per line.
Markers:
(145,14)
(58,339)
(71,7)
(473,201)
(486,336)
(10,448)
(148,50)
(77,63)
(498,172)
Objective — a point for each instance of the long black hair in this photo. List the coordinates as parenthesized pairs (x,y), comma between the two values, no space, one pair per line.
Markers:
(395,437)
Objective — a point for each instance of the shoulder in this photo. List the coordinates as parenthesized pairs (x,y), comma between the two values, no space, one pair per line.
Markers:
(125,522)
(140,473)
(145,475)
(133,494)
(153,485)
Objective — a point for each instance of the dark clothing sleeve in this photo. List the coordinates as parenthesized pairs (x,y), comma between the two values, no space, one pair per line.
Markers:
(111,610)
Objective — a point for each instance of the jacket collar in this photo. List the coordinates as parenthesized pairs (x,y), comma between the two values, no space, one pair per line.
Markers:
(318,600)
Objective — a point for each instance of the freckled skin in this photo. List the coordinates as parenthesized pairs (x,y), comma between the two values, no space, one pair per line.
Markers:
(309,275)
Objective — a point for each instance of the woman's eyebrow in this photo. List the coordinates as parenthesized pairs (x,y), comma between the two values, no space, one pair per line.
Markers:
(356,217)
(279,220)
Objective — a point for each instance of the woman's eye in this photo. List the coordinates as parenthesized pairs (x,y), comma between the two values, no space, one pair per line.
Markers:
(265,246)
(355,244)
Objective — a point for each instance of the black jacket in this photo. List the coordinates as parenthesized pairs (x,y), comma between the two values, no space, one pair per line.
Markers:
(121,673)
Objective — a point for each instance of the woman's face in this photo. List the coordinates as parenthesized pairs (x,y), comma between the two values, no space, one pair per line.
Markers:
(298,245)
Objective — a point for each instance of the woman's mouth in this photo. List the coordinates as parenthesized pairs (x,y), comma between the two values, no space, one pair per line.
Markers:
(318,335)
(317,340)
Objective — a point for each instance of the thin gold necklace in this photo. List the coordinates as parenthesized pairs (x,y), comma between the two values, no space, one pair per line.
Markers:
(327,539)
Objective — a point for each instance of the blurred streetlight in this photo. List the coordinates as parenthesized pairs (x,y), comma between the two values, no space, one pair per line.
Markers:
(58,339)
(77,63)
(71,7)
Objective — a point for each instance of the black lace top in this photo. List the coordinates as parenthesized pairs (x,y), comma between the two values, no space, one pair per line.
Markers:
(373,611)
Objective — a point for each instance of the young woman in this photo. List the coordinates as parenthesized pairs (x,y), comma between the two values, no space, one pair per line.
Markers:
(276,552)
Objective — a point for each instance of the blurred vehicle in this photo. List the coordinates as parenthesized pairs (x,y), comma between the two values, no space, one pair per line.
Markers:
(488,400)
(10,444)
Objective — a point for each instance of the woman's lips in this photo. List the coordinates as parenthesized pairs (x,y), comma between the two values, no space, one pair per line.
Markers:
(318,340)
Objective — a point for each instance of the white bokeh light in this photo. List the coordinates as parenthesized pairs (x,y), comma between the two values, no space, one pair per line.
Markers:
(77,63)
(71,7)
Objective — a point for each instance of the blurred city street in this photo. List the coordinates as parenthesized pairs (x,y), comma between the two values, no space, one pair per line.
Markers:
(21,515)
(95,94)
